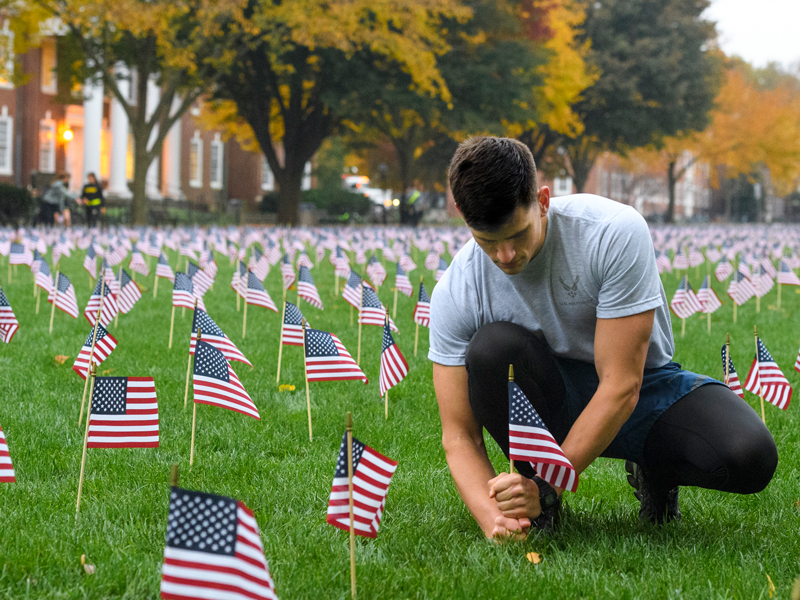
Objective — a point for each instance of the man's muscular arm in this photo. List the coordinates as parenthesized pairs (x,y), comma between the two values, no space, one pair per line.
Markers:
(462,438)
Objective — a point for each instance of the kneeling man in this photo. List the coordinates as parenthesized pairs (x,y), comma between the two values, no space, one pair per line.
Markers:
(567,290)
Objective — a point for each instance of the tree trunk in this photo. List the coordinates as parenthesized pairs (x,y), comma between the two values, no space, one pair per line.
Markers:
(671,181)
(289,198)
(141,162)
(405,179)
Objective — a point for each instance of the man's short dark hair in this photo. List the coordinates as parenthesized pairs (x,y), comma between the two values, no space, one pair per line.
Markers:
(490,177)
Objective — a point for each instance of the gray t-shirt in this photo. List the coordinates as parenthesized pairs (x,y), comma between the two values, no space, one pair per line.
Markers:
(597,261)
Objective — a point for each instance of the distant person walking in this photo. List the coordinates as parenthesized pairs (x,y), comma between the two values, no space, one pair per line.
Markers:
(92,198)
(54,200)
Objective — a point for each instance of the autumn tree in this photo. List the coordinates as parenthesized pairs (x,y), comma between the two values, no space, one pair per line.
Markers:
(178,46)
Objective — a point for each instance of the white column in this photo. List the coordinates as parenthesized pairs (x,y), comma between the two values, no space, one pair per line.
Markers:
(172,157)
(92,125)
(118,180)
(152,187)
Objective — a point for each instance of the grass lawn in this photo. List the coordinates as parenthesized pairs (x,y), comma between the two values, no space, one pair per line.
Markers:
(727,546)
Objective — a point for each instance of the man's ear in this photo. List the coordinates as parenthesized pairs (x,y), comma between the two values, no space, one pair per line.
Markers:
(543,195)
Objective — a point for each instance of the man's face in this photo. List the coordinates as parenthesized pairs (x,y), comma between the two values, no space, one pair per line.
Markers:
(514,245)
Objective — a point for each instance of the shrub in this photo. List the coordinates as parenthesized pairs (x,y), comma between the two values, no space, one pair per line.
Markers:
(16,203)
(334,201)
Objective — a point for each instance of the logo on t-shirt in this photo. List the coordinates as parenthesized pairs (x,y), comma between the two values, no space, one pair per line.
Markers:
(571,289)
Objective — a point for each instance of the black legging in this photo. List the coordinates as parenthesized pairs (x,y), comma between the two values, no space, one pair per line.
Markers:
(710,438)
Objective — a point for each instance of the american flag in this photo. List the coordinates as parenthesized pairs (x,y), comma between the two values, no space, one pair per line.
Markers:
(200,279)
(213,550)
(188,252)
(766,263)
(239,279)
(206,256)
(212,334)
(680,262)
(707,298)
(797,362)
(273,253)
(786,276)
(256,294)
(116,255)
(375,271)
(744,269)
(733,378)
(441,269)
(328,360)
(372,311)
(401,281)
(43,278)
(8,320)
(6,468)
(138,263)
(341,263)
(740,289)
(61,248)
(124,413)
(259,264)
(422,310)
(216,384)
(19,255)
(109,304)
(36,263)
(103,347)
(394,367)
(662,262)
(304,261)
(529,440)
(287,271)
(764,282)
(110,278)
(129,293)
(432,260)
(407,263)
(183,293)
(352,290)
(713,254)
(372,474)
(723,270)
(696,257)
(306,288)
(211,268)
(163,269)
(292,332)
(361,256)
(766,378)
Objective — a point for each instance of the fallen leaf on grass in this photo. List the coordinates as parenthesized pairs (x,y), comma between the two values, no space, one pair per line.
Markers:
(107,371)
(90,569)
(61,359)
(533,557)
(796,590)
(771,586)
(286,387)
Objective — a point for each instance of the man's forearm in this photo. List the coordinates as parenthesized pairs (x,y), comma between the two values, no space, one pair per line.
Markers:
(472,470)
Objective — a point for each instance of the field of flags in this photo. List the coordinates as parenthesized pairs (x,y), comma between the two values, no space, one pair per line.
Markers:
(314,324)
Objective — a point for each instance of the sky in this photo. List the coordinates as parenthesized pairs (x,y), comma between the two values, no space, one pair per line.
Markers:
(760,31)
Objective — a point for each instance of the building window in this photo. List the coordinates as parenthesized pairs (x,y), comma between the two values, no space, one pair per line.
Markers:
(562,186)
(267,176)
(47,144)
(305,184)
(196,161)
(49,79)
(6,141)
(217,149)
(6,56)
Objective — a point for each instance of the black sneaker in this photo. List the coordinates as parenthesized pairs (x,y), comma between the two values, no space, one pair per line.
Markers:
(550,502)
(657,505)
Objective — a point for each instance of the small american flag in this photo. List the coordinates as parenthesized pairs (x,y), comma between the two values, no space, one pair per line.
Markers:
(663,263)
(216,384)
(766,378)
(6,468)
(372,311)
(328,360)
(213,550)
(137,262)
(239,279)
(43,278)
(116,255)
(19,255)
(61,248)
(713,254)
(200,279)
(65,300)
(680,262)
(797,362)
(352,290)
(441,269)
(733,378)
(786,276)
(684,303)
(375,271)
(741,289)
(696,257)
(372,474)
(188,252)
(103,347)
(529,440)
(402,282)
(422,310)
(707,298)
(292,332)
(212,334)
(110,279)
(341,263)
(183,293)
(259,264)
(256,294)
(304,261)
(8,320)
(306,288)
(407,263)
(124,413)
(394,367)
(129,293)
(432,260)
(723,270)
(287,271)
(764,282)
(163,269)
(273,253)
(109,304)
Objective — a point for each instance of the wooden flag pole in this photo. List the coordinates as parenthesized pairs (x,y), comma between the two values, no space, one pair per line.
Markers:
(155,287)
(727,359)
(92,372)
(308,393)
(194,410)
(683,327)
(244,317)
(394,308)
(734,311)
(758,374)
(237,296)
(171,325)
(351,315)
(37,298)
(55,297)
(779,295)
(280,343)
(360,304)
(173,475)
(91,351)
(189,365)
(510,378)
(119,278)
(349,429)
